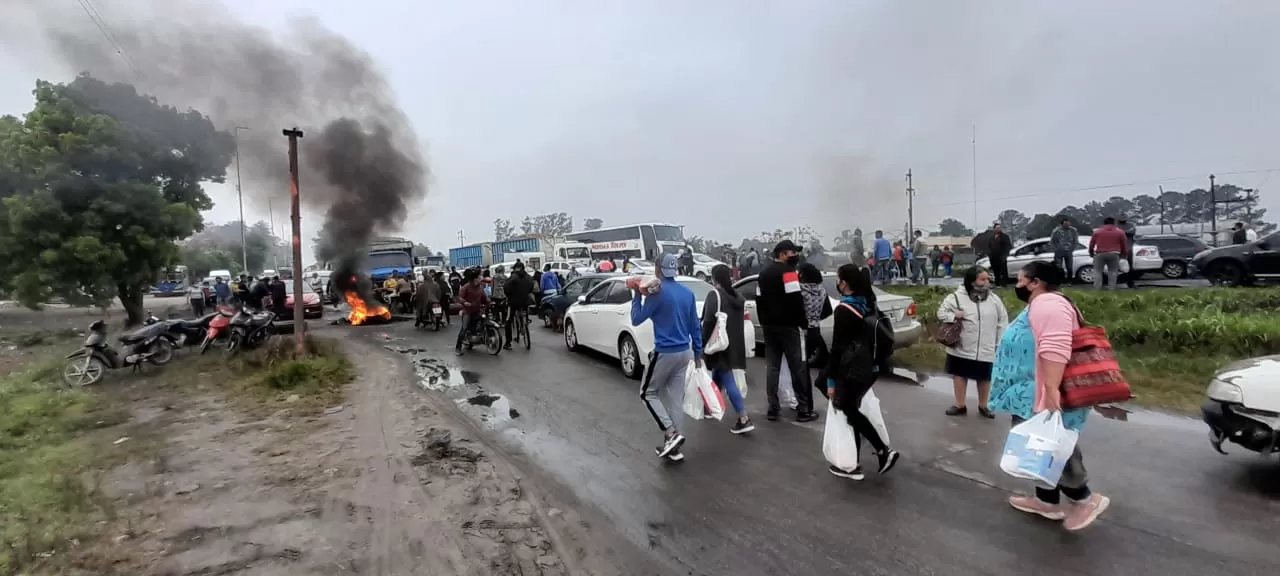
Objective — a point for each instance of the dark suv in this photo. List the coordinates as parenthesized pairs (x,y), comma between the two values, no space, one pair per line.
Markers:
(1176,250)
(1241,263)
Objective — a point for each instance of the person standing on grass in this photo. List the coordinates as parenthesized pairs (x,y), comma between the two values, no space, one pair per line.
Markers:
(1107,246)
(722,364)
(677,340)
(983,319)
(780,305)
(852,368)
(1063,241)
(998,248)
(920,259)
(882,252)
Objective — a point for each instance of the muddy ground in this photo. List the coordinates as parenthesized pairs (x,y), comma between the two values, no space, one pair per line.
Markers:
(393,481)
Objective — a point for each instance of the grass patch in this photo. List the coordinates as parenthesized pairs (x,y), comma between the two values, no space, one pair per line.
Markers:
(269,376)
(1169,342)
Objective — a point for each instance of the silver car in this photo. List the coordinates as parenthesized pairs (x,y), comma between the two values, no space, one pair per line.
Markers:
(900,309)
(1145,258)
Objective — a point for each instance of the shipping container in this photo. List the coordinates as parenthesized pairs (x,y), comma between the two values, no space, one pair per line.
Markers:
(521,245)
(473,255)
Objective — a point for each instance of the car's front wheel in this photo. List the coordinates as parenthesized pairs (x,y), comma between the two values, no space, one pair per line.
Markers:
(1173,269)
(1225,274)
(629,356)
(570,335)
(1084,274)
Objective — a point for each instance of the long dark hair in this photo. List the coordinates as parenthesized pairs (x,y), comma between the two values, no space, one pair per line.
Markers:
(720,275)
(809,274)
(858,278)
(1048,274)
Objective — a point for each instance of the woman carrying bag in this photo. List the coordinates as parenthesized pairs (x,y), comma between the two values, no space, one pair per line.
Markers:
(973,321)
(727,301)
(851,368)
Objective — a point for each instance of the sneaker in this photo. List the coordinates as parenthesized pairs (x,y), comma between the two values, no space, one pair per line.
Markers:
(457,351)
(676,456)
(809,416)
(957,411)
(772,416)
(742,426)
(672,444)
(506,346)
(1081,514)
(855,474)
(987,413)
(1033,505)
(888,459)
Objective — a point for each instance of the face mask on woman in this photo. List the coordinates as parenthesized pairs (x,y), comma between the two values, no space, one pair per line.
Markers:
(1023,293)
(981,290)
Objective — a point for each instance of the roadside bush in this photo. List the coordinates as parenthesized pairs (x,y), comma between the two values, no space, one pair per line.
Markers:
(272,374)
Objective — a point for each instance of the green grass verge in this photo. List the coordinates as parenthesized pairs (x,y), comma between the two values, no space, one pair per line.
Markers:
(271,375)
(1170,342)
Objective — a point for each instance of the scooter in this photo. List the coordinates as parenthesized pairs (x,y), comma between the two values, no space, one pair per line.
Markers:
(88,364)
(218,328)
(248,330)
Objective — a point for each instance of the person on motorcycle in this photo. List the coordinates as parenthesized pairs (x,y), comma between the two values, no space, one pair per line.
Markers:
(498,292)
(428,295)
(404,293)
(519,292)
(474,301)
(279,296)
(446,296)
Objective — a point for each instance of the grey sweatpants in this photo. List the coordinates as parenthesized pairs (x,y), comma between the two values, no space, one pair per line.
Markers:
(666,375)
(1110,262)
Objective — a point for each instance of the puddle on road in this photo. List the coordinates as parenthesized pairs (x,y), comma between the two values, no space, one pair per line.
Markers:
(436,375)
(1120,413)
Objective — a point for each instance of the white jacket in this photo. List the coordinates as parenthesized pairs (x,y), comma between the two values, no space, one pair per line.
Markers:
(982,326)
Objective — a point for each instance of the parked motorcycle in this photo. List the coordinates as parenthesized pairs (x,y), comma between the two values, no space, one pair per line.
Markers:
(182,332)
(248,330)
(88,364)
(218,328)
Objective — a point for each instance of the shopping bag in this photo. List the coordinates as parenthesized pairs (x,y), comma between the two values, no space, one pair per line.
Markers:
(870,408)
(693,406)
(786,393)
(740,376)
(719,339)
(838,443)
(1038,449)
(712,401)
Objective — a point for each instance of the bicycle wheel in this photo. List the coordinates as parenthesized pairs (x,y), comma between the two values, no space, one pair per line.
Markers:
(524,331)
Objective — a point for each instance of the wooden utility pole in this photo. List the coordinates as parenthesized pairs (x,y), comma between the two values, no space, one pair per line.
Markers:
(299,317)
(1213,209)
(911,208)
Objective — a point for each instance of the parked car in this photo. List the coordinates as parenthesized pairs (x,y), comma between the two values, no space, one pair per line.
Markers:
(702,265)
(1243,406)
(900,309)
(312,307)
(1146,258)
(601,320)
(641,268)
(1176,252)
(1241,263)
(553,306)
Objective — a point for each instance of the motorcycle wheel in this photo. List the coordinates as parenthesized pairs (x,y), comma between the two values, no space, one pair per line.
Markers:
(83,371)
(162,352)
(492,339)
(204,344)
(234,342)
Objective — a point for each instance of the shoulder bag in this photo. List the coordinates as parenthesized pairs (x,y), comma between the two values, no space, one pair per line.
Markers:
(949,332)
(1092,375)
(719,339)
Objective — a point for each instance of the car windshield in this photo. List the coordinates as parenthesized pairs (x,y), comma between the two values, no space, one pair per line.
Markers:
(306,288)
(700,289)
(579,253)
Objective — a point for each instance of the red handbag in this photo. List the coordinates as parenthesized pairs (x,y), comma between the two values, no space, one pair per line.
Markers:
(1092,375)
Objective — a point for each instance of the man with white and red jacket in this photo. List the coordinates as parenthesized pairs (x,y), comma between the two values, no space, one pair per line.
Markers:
(780,307)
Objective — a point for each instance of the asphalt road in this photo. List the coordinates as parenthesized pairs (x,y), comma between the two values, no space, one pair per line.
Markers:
(764,503)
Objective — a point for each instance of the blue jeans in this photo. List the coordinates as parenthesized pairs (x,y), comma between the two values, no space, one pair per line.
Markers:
(724,378)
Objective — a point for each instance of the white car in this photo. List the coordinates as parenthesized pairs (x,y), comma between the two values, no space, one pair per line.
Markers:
(641,268)
(702,265)
(1146,259)
(1243,406)
(601,320)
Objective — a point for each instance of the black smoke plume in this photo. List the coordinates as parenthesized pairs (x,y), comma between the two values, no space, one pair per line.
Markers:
(361,166)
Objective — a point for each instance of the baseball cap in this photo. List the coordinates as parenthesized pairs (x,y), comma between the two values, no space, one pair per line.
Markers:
(786,246)
(667,266)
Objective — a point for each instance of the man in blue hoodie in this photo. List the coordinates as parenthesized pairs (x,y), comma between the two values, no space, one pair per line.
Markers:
(883,257)
(677,339)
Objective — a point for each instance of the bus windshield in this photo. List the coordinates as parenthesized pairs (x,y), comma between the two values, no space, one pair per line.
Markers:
(389,260)
(668,233)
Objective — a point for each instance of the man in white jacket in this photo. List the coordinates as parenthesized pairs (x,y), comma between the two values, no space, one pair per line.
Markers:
(973,321)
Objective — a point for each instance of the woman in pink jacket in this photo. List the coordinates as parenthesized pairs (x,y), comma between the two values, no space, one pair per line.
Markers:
(1027,379)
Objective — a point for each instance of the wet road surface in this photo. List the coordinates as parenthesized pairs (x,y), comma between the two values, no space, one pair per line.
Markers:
(764,503)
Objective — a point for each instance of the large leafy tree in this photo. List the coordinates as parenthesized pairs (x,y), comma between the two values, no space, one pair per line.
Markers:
(551,225)
(953,227)
(262,248)
(99,184)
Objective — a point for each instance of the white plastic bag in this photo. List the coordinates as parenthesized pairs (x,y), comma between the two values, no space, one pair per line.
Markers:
(838,443)
(1038,449)
(1124,265)
(706,390)
(740,377)
(719,339)
(870,408)
(693,406)
(786,393)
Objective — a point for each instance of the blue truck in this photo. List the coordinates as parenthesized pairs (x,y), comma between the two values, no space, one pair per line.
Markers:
(388,256)
(473,255)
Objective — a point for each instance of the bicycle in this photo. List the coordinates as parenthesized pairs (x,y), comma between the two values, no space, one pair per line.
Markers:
(521,320)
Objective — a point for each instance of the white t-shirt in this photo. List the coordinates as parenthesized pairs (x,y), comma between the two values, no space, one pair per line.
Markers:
(1251,235)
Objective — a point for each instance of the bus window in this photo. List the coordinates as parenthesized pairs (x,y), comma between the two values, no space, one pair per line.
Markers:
(649,243)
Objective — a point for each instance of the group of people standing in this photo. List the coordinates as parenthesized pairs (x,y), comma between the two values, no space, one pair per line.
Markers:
(252,292)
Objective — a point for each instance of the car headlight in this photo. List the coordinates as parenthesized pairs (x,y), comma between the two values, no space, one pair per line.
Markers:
(1225,392)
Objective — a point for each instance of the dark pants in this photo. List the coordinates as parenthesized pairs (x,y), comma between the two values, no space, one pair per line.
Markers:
(848,399)
(469,323)
(815,347)
(1074,483)
(1064,259)
(197,306)
(1133,273)
(780,342)
(1000,269)
(503,316)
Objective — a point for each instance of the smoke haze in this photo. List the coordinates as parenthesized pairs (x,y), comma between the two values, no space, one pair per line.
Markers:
(360,162)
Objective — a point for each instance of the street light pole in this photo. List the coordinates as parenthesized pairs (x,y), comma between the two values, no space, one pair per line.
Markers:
(244,246)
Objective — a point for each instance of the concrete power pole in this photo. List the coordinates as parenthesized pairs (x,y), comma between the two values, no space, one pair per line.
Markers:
(1213,209)
(244,246)
(295,215)
(911,207)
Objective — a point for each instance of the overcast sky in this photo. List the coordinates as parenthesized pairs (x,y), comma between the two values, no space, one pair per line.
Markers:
(735,116)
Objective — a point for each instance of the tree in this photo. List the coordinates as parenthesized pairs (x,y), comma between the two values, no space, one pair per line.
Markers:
(551,225)
(953,227)
(1014,223)
(101,183)
(502,230)
(802,235)
(201,261)
(592,224)
(1041,226)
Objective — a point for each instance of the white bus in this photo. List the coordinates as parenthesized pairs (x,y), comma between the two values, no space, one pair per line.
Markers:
(639,241)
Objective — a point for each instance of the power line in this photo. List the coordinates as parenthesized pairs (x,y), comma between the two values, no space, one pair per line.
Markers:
(96,17)
(1049,191)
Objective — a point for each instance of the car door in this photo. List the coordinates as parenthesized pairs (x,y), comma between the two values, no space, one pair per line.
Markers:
(1264,258)
(615,318)
(1029,252)
(595,315)
(572,291)
(748,289)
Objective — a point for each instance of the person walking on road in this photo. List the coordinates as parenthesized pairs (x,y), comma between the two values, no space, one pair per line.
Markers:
(947,258)
(783,321)
(550,282)
(817,307)
(982,318)
(920,259)
(859,248)
(1107,246)
(882,253)
(1027,379)
(677,340)
(223,291)
(724,363)
(998,248)
(852,368)
(473,300)
(1063,241)
(196,296)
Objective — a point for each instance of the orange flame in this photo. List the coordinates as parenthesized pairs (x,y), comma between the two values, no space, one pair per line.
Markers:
(360,312)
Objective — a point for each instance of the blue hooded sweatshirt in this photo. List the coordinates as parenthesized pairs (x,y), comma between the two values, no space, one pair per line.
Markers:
(550,282)
(884,250)
(674,312)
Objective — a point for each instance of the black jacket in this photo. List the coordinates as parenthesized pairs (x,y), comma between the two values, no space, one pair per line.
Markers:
(851,361)
(778,303)
(734,307)
(279,295)
(519,289)
(999,246)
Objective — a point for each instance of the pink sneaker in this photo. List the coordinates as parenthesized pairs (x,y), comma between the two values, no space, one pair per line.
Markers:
(1033,505)
(1081,514)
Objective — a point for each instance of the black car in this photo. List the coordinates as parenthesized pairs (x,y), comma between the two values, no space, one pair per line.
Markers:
(1176,250)
(1241,263)
(553,305)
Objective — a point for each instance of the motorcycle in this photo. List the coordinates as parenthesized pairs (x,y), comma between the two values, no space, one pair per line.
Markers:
(181,332)
(487,332)
(432,318)
(219,327)
(88,364)
(248,330)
